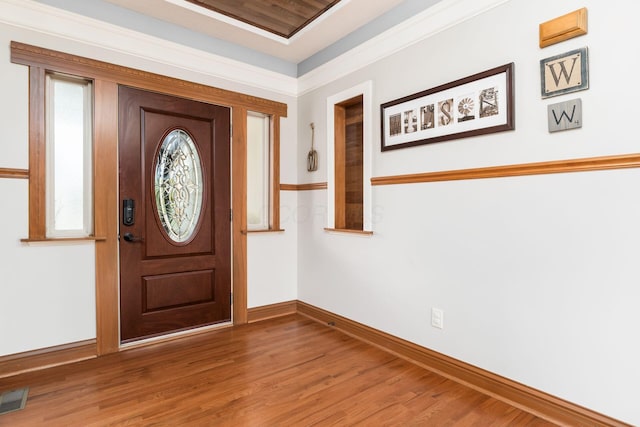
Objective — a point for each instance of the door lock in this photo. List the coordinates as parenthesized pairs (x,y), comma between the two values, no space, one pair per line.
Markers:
(128,212)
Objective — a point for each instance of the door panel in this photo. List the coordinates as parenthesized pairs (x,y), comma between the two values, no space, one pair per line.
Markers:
(165,291)
(171,279)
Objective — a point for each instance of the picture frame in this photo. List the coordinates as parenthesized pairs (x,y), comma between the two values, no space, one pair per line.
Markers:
(479,104)
(564,73)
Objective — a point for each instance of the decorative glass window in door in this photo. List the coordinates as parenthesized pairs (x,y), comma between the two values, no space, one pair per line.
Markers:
(178,185)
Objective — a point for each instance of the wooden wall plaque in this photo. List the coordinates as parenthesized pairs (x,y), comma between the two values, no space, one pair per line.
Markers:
(564,27)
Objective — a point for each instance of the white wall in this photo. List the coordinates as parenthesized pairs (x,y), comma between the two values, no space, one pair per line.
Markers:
(537,276)
(47,290)
(272,259)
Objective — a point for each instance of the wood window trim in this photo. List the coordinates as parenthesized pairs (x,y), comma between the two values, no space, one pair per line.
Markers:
(14,173)
(304,187)
(274,176)
(37,163)
(66,239)
(271,230)
(349,231)
(34,56)
(363,92)
(106,78)
(274,224)
(348,165)
(37,154)
(339,162)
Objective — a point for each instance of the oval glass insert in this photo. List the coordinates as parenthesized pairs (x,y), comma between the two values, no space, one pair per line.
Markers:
(178,185)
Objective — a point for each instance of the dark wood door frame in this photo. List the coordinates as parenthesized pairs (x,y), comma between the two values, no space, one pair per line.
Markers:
(106,79)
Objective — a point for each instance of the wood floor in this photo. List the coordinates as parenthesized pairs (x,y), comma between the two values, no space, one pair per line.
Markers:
(288,371)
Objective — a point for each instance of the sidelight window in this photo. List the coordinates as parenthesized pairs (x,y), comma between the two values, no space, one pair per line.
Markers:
(259,172)
(69,166)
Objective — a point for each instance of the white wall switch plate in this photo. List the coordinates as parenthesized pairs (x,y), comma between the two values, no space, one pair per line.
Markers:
(437,318)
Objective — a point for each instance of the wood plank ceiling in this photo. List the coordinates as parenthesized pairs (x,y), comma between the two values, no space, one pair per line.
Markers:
(281,17)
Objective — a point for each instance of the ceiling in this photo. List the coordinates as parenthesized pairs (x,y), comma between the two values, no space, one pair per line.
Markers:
(283,18)
(310,32)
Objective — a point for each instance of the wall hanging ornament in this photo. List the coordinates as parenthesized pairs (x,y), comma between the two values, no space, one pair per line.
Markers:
(312,157)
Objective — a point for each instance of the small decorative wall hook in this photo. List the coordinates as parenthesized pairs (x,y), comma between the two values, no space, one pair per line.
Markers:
(312,157)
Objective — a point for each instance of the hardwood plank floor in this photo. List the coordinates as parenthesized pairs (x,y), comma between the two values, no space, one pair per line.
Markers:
(288,371)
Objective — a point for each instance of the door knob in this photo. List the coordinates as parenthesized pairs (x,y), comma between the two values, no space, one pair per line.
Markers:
(129,237)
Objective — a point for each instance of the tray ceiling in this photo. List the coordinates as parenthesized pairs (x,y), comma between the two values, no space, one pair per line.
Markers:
(323,23)
(281,17)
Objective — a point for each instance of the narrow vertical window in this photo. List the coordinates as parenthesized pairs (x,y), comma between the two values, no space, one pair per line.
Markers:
(349,136)
(69,167)
(349,164)
(259,176)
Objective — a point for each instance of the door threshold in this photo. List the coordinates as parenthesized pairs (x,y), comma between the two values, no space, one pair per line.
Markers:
(174,336)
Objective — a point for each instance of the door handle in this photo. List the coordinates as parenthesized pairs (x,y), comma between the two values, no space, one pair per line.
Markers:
(129,237)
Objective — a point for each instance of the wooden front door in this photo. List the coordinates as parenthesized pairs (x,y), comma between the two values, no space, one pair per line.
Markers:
(175,238)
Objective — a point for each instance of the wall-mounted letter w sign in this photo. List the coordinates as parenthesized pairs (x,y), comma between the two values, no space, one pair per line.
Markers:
(565,115)
(558,70)
(565,73)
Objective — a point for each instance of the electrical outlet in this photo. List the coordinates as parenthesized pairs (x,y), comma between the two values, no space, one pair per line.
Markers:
(437,318)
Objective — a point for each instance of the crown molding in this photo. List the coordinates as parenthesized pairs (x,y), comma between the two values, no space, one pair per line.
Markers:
(439,17)
(44,19)
(61,24)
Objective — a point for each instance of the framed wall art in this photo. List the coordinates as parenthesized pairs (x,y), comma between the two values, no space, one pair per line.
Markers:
(475,105)
(564,73)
